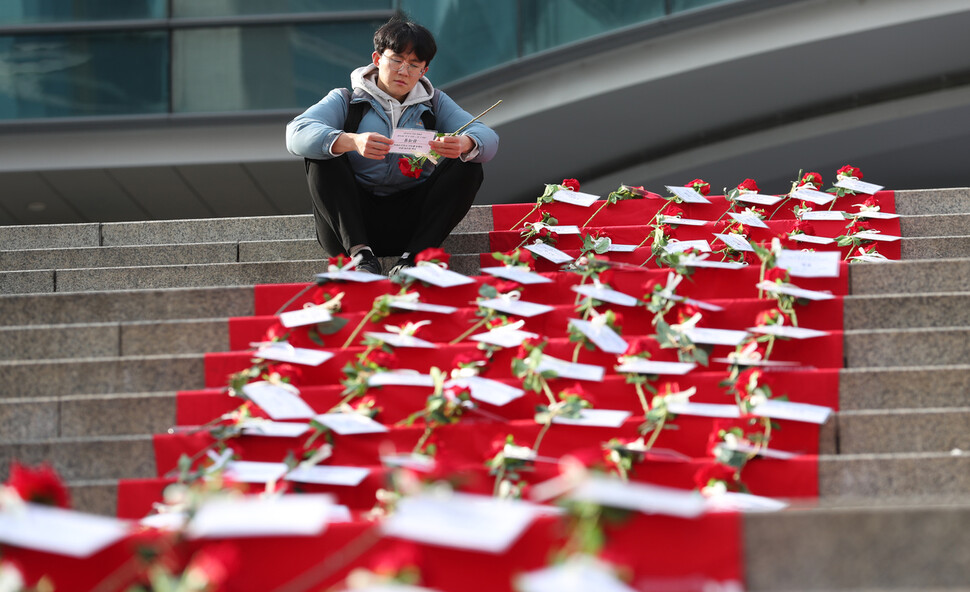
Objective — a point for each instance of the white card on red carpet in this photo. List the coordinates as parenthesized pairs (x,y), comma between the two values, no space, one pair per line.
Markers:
(517,274)
(598,418)
(437,276)
(736,242)
(351,423)
(305,316)
(284,352)
(549,253)
(60,531)
(575,198)
(649,499)
(564,369)
(642,366)
(605,294)
(748,219)
(819,198)
(400,378)
(759,199)
(277,402)
(487,390)
(515,307)
(858,186)
(601,335)
(399,340)
(305,514)
(790,290)
(676,246)
(787,331)
(461,520)
(687,194)
(810,264)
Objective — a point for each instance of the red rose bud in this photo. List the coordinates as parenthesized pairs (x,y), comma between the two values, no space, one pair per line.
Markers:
(802,226)
(871,202)
(674,211)
(469,358)
(814,179)
(713,472)
(407,169)
(431,255)
(505,286)
(850,171)
(380,358)
(700,186)
(40,485)
(286,371)
(767,317)
(748,185)
(571,184)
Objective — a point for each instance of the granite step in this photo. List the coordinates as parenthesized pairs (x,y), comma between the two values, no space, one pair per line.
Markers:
(899,545)
(199,335)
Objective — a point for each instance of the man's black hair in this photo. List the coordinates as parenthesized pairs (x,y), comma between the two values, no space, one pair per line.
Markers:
(400,35)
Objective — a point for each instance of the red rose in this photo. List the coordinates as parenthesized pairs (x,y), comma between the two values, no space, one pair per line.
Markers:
(674,211)
(850,171)
(39,485)
(700,186)
(714,472)
(802,226)
(380,358)
(858,226)
(431,255)
(286,371)
(571,184)
(776,273)
(338,261)
(767,317)
(215,563)
(871,202)
(685,312)
(748,185)
(639,346)
(407,169)
(468,358)
(813,179)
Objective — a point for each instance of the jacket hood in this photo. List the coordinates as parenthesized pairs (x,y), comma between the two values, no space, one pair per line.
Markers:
(365,79)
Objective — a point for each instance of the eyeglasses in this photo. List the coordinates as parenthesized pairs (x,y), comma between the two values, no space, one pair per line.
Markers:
(400,65)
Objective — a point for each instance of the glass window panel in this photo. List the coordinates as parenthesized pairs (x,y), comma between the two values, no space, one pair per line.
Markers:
(472,35)
(209,8)
(549,23)
(271,67)
(83,74)
(678,5)
(21,12)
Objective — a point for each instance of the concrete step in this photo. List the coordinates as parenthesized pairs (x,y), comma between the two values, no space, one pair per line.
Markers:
(902,546)
(924,202)
(906,311)
(88,257)
(133,374)
(903,430)
(925,225)
(929,276)
(107,340)
(884,348)
(125,306)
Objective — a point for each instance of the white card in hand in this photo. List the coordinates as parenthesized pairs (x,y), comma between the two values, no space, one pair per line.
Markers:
(564,369)
(437,276)
(790,290)
(735,241)
(688,194)
(399,340)
(602,336)
(60,531)
(517,274)
(277,402)
(515,307)
(305,316)
(805,412)
(549,252)
(461,520)
(642,366)
(284,352)
(809,264)
(487,390)
(411,141)
(351,423)
(599,418)
(575,197)
(759,199)
(605,295)
(859,186)
(305,514)
(812,196)
(649,499)
(787,331)
(748,219)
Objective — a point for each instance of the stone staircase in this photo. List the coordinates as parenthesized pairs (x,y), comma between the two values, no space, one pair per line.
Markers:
(103,323)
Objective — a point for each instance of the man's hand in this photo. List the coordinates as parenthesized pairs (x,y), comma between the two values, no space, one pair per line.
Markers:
(369,145)
(452,146)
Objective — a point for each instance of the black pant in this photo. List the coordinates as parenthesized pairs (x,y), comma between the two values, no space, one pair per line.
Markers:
(410,221)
